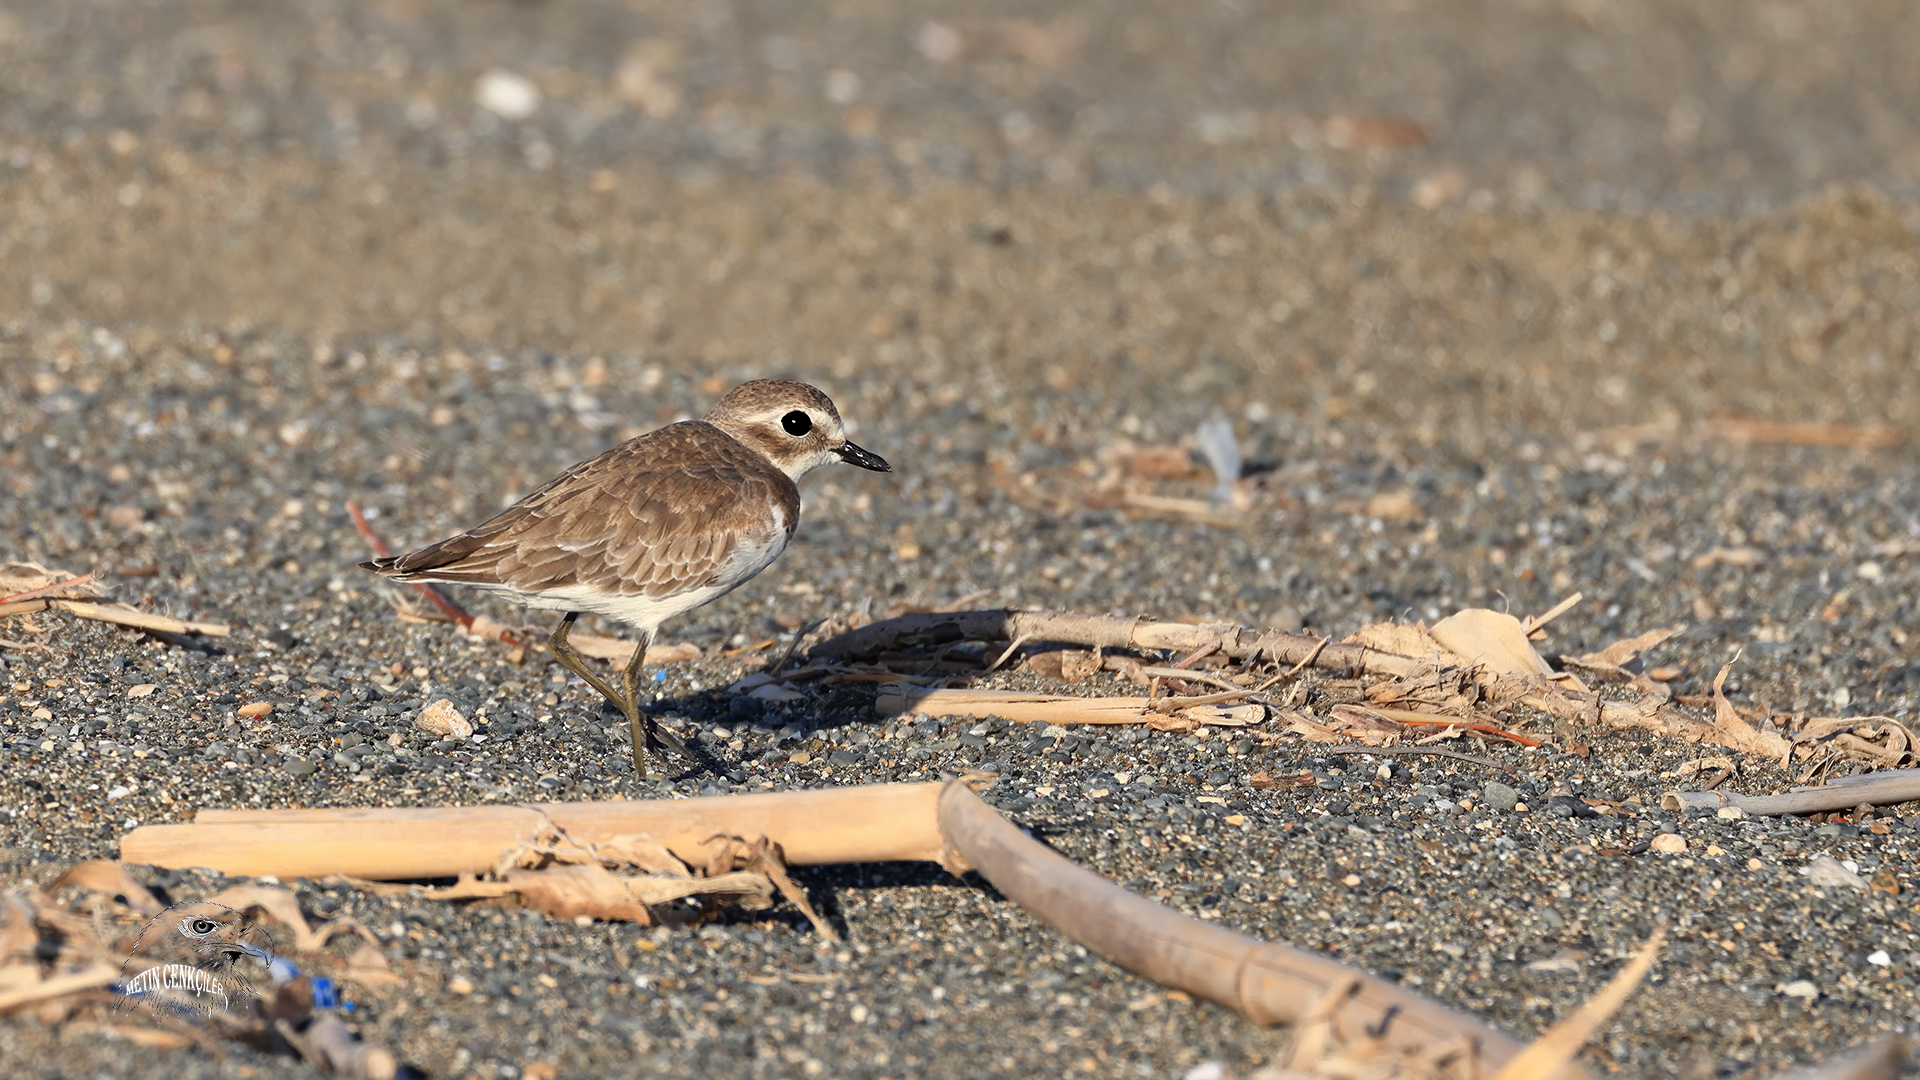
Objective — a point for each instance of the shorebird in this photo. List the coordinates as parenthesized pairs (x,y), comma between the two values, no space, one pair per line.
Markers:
(652,528)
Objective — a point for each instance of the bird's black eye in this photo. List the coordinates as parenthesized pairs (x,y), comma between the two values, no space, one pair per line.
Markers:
(797,423)
(201,927)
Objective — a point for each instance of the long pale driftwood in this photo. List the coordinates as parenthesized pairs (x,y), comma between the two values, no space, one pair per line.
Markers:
(1055,709)
(1878,789)
(1106,632)
(875,823)
(1266,982)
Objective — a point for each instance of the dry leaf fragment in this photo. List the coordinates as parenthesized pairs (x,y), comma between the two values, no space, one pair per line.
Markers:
(1490,638)
(642,851)
(279,903)
(1622,652)
(1744,736)
(112,879)
(368,966)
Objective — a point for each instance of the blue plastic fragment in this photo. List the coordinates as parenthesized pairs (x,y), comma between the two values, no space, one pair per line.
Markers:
(324,995)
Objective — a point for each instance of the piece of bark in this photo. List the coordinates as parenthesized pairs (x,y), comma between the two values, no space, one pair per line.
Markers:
(1266,982)
(875,823)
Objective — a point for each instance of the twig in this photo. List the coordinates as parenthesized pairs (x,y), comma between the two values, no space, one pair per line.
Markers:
(1884,789)
(1208,649)
(1210,679)
(798,636)
(48,589)
(120,615)
(452,610)
(1017,642)
(1425,751)
(1172,705)
(1309,658)
(1406,716)
(1535,622)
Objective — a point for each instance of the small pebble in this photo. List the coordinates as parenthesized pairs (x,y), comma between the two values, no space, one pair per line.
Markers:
(441,718)
(1826,872)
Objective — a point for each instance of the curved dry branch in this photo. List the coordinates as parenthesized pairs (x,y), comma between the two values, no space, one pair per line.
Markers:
(1267,982)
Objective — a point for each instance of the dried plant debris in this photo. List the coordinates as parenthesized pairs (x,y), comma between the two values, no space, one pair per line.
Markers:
(1476,671)
(628,878)
(96,950)
(27,589)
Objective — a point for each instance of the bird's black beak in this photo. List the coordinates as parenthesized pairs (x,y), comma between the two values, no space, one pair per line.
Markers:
(866,459)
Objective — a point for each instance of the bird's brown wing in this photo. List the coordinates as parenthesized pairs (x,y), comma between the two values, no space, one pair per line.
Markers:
(652,516)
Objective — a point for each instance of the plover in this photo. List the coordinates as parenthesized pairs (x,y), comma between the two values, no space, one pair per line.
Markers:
(654,527)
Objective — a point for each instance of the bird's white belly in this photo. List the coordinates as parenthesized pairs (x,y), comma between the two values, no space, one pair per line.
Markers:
(648,612)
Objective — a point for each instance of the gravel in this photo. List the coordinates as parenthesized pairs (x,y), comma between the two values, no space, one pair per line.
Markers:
(258,265)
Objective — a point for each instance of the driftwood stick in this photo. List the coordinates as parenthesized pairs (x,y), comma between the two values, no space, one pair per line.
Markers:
(1879,789)
(1266,982)
(874,823)
(1106,632)
(1025,708)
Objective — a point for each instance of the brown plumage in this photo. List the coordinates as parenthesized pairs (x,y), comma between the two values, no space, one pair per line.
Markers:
(653,527)
(656,515)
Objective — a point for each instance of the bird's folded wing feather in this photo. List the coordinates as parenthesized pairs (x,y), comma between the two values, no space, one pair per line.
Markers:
(649,526)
